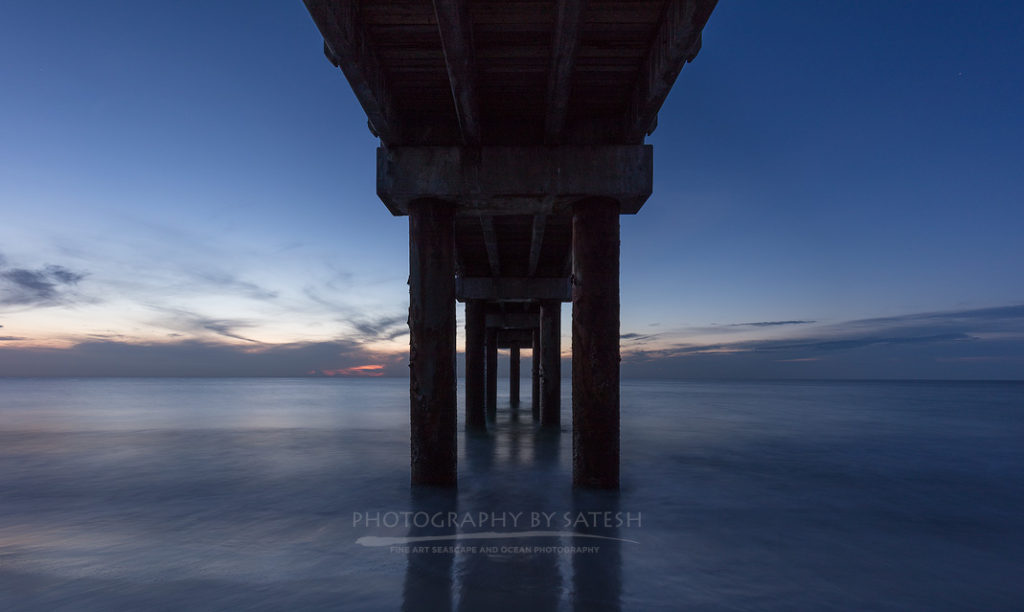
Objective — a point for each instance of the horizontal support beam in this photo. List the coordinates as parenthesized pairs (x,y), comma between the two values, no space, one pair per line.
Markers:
(513,289)
(513,320)
(523,338)
(515,180)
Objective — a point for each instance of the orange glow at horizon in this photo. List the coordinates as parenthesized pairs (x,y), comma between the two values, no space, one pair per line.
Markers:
(363,370)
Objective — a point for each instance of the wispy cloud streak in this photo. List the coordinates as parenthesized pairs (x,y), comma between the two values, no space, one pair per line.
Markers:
(46,286)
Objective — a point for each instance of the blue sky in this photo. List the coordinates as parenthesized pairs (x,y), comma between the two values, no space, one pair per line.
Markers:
(188,188)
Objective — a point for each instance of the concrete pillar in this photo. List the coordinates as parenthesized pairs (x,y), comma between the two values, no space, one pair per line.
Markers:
(475,338)
(550,362)
(492,373)
(432,377)
(595,344)
(535,375)
(513,376)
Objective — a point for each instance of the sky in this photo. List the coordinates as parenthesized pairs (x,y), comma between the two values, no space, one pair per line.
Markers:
(188,189)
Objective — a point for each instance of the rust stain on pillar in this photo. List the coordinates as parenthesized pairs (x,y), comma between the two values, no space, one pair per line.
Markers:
(595,344)
(432,382)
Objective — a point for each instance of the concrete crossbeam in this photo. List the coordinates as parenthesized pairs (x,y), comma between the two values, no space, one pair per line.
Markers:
(515,180)
(513,289)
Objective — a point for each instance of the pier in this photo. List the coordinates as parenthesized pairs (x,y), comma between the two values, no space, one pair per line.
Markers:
(512,136)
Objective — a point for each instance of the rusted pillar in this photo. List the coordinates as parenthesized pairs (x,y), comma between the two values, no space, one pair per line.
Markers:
(550,362)
(492,373)
(595,344)
(432,383)
(535,375)
(475,322)
(513,376)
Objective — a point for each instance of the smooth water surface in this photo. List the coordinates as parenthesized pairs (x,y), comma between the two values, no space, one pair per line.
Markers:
(172,494)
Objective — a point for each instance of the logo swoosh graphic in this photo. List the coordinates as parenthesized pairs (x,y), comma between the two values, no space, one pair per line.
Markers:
(482,535)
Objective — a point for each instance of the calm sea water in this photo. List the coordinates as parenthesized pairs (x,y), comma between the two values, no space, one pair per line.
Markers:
(157,494)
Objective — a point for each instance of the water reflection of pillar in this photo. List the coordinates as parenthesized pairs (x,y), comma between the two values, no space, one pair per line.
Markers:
(597,576)
(428,575)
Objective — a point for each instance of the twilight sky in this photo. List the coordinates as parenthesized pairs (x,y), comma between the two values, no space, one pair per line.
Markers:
(187,188)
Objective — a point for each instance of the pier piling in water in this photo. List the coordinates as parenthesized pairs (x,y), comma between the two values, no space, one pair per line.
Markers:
(513,376)
(476,419)
(432,377)
(550,363)
(595,344)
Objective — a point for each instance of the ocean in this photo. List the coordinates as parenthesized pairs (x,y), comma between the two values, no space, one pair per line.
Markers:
(293,494)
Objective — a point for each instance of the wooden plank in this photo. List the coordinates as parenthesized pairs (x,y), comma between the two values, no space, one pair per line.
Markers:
(676,42)
(346,45)
(565,42)
(457,41)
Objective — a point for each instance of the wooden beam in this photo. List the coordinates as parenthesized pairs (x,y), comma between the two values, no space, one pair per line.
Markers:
(455,28)
(677,42)
(565,43)
(513,289)
(346,46)
(491,244)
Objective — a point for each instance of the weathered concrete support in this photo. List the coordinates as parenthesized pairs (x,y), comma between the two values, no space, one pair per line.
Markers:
(513,289)
(513,376)
(475,339)
(492,373)
(432,377)
(535,375)
(595,344)
(496,180)
(550,362)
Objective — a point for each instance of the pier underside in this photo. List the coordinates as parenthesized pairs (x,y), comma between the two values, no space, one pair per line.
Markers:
(512,135)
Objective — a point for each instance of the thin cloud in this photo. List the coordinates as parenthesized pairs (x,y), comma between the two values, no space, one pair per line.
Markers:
(380,328)
(982,343)
(1000,317)
(184,321)
(46,286)
(806,345)
(232,284)
(224,328)
(771,323)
